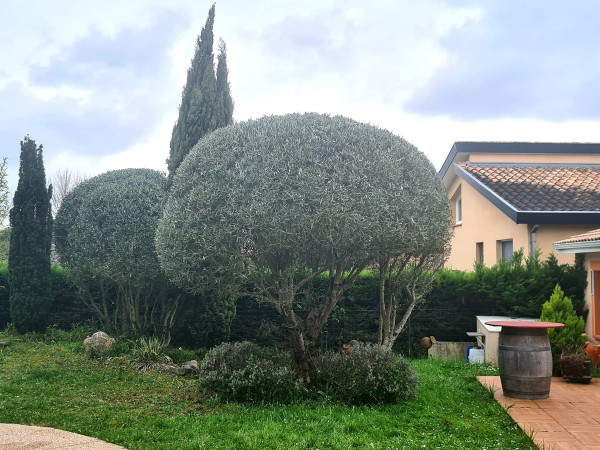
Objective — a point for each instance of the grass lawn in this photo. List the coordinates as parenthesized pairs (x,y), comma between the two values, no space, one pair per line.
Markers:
(46,380)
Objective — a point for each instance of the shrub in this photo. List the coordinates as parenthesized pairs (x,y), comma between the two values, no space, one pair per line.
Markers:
(245,372)
(371,374)
(570,338)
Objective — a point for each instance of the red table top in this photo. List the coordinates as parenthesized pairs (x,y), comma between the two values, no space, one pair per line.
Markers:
(524,324)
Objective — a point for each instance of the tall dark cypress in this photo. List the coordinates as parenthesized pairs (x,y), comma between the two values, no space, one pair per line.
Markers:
(201,106)
(223,93)
(30,240)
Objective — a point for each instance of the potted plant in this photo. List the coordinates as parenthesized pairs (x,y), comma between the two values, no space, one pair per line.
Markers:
(575,364)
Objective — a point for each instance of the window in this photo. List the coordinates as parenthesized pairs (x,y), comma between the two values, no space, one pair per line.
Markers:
(458,212)
(479,252)
(507,249)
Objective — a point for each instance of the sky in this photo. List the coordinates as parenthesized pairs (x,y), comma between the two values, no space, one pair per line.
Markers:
(98,82)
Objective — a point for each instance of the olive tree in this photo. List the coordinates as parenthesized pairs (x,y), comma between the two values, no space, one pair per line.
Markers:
(104,234)
(281,200)
(405,278)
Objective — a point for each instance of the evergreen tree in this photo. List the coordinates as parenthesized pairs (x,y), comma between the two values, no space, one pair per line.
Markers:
(30,240)
(223,93)
(205,103)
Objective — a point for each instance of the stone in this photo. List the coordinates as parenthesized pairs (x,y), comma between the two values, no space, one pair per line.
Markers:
(191,367)
(172,370)
(187,368)
(99,341)
(2,344)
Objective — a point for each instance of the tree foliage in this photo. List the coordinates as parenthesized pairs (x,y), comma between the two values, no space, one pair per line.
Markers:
(105,234)
(30,240)
(206,102)
(280,200)
(569,339)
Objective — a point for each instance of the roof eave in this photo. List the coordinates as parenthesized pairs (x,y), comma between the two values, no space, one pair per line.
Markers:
(490,195)
(577,247)
(465,148)
(528,217)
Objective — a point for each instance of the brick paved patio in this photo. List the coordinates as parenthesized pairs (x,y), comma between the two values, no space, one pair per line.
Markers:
(568,419)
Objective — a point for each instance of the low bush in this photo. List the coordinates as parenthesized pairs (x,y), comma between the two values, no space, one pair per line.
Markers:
(245,372)
(370,375)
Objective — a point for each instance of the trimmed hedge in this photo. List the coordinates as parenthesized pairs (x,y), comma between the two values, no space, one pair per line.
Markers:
(448,312)
(515,289)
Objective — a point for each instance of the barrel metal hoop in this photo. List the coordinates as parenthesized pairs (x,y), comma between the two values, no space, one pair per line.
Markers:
(512,348)
(516,378)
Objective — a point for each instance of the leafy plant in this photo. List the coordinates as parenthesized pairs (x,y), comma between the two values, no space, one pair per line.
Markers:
(370,374)
(245,372)
(569,339)
(150,349)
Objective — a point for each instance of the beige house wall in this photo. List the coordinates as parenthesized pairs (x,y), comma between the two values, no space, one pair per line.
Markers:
(549,234)
(588,259)
(481,222)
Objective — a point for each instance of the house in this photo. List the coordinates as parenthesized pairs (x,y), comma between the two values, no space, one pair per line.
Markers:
(587,244)
(511,195)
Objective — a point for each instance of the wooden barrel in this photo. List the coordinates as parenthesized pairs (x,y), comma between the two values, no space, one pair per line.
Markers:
(525,362)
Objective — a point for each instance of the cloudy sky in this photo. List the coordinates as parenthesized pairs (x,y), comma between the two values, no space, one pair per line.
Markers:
(98,82)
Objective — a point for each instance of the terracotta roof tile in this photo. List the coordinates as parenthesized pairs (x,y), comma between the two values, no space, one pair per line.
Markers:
(542,187)
(593,235)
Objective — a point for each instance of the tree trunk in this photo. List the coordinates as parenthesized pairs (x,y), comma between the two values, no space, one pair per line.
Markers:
(302,362)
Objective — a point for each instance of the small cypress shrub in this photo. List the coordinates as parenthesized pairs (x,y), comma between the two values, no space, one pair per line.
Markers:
(570,338)
(247,373)
(371,374)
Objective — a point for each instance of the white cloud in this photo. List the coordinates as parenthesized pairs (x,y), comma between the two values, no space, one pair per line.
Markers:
(98,82)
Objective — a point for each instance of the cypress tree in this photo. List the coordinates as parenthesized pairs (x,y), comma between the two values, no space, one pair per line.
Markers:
(29,253)
(202,102)
(223,93)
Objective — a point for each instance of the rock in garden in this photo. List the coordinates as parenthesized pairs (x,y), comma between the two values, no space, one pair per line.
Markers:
(173,370)
(2,344)
(191,367)
(100,342)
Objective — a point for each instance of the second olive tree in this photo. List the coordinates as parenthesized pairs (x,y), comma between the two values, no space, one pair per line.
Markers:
(104,235)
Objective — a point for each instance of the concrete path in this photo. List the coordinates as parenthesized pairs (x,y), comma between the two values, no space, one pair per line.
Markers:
(18,437)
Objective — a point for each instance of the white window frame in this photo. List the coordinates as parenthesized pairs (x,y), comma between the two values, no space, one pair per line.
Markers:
(458,210)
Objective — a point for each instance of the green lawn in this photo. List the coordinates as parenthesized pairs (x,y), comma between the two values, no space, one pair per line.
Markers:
(53,383)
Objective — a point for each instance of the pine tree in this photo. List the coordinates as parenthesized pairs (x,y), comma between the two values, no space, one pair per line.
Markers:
(204,98)
(30,240)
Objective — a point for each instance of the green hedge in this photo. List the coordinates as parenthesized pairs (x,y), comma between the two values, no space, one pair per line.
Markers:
(517,289)
(66,308)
